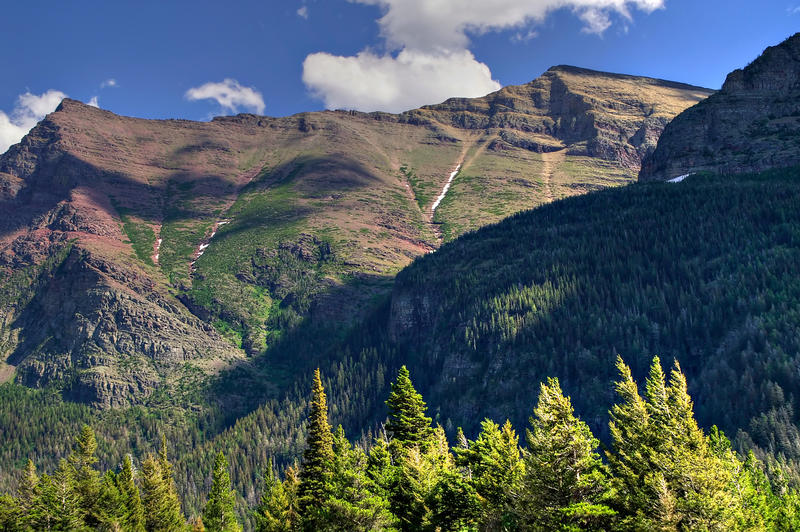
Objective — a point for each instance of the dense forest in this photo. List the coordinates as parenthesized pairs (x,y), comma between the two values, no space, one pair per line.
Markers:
(703,272)
(661,472)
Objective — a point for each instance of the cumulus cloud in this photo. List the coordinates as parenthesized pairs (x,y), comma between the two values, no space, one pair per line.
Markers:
(394,84)
(111,82)
(303,12)
(421,34)
(229,94)
(93,102)
(29,109)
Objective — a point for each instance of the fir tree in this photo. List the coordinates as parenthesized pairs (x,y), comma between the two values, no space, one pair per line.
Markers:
(162,509)
(133,519)
(57,504)
(11,515)
(86,477)
(315,473)
(408,425)
(493,465)
(668,473)
(354,504)
(565,482)
(219,514)
(27,487)
(273,513)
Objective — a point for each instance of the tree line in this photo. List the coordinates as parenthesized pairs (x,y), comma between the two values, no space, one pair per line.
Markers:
(661,472)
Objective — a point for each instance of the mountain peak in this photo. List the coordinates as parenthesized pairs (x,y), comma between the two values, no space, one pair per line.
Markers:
(750,125)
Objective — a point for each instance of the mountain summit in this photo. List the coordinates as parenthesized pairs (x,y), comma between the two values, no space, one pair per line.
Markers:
(137,254)
(752,124)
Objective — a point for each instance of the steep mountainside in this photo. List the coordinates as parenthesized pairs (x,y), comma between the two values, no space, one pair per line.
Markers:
(752,124)
(138,254)
(702,271)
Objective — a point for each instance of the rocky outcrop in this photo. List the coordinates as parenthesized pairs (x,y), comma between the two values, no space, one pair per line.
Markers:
(107,334)
(614,117)
(752,124)
(122,240)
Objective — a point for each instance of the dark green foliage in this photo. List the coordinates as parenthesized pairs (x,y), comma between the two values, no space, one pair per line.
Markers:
(219,514)
(664,473)
(408,425)
(494,467)
(565,484)
(315,474)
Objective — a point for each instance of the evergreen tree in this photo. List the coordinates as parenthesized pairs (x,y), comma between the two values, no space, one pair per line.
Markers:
(133,519)
(57,503)
(11,514)
(86,477)
(354,503)
(493,465)
(421,498)
(565,484)
(669,474)
(162,509)
(380,468)
(273,513)
(316,468)
(219,514)
(408,425)
(27,487)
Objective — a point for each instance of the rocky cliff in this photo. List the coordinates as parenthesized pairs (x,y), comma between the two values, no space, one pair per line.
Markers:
(752,124)
(136,254)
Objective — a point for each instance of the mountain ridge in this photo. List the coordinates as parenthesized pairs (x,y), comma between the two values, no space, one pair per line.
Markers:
(243,227)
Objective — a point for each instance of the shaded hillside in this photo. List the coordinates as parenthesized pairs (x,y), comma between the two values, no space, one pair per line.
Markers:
(140,254)
(702,271)
(752,124)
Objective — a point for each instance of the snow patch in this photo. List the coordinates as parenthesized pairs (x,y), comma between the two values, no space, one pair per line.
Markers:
(445,189)
(679,178)
(158,247)
(204,245)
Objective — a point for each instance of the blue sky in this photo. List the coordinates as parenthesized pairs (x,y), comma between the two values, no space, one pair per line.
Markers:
(289,56)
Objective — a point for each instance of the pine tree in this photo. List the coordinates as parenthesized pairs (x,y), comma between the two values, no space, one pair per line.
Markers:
(27,487)
(669,474)
(86,477)
(565,483)
(316,468)
(57,503)
(380,469)
(273,513)
(162,509)
(133,519)
(493,465)
(219,514)
(408,425)
(354,503)
(11,515)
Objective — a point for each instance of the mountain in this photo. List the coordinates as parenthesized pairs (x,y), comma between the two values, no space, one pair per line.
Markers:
(752,124)
(143,255)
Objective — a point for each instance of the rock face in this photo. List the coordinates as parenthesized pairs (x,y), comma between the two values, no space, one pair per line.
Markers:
(751,125)
(123,240)
(614,117)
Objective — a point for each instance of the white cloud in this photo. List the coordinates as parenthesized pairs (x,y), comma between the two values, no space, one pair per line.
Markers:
(303,12)
(93,102)
(229,95)
(111,82)
(422,33)
(368,81)
(29,109)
